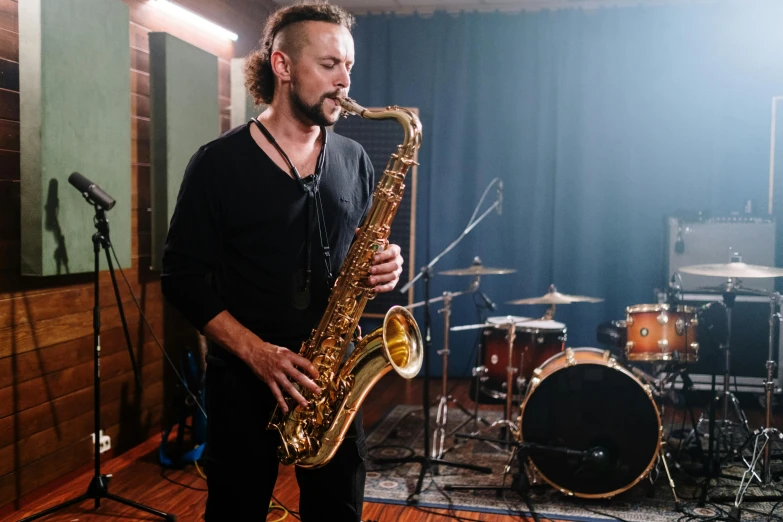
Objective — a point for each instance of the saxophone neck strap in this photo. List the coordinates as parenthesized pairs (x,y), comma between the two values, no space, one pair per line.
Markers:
(315,212)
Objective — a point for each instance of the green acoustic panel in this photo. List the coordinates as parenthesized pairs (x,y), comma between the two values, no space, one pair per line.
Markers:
(74,83)
(185,115)
(242,105)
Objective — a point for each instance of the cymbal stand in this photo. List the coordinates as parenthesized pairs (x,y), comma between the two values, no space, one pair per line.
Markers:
(441,419)
(725,425)
(762,437)
(426,462)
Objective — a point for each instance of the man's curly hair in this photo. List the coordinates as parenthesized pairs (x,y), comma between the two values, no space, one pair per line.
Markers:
(259,78)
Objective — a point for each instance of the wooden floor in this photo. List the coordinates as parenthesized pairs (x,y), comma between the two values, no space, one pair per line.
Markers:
(139,477)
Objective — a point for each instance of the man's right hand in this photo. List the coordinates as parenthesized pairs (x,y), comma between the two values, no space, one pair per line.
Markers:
(278,367)
(275,365)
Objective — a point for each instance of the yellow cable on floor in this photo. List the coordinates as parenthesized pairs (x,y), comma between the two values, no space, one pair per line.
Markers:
(273,506)
(198,468)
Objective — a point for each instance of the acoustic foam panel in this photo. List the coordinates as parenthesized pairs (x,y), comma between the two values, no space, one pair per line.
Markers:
(242,105)
(74,89)
(185,115)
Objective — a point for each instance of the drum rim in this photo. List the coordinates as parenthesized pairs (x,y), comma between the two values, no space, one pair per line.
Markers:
(660,307)
(609,361)
(500,323)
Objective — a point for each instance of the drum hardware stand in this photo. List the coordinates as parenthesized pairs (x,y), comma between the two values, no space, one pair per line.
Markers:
(662,458)
(439,434)
(426,461)
(763,437)
(99,485)
(725,425)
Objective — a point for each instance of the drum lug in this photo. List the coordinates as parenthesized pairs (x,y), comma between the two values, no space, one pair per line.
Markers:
(628,347)
(570,359)
(663,318)
(629,320)
(663,344)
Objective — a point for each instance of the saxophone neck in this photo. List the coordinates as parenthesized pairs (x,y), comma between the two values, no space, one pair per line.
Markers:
(409,121)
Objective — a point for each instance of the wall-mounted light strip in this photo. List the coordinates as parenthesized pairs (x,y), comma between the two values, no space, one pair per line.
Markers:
(194,19)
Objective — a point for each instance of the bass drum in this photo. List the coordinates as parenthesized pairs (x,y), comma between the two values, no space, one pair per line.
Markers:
(581,400)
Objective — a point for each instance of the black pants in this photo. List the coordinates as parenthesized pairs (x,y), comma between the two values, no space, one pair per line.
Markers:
(241,456)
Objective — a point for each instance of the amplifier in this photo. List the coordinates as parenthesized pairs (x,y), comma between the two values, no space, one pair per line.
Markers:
(712,240)
(749,342)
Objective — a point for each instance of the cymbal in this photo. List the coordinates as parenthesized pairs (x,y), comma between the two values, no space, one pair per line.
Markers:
(735,269)
(553,297)
(478,269)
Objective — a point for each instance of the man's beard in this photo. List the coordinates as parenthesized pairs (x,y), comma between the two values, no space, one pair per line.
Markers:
(315,112)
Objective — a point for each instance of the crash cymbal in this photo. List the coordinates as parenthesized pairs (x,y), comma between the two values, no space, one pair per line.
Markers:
(553,297)
(478,269)
(736,269)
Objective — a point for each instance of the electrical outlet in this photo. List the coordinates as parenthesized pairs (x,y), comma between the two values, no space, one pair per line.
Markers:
(105,442)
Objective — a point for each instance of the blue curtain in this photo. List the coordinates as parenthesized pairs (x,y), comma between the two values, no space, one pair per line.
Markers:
(599,122)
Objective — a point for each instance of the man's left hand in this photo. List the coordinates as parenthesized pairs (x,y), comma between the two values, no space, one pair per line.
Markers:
(386,269)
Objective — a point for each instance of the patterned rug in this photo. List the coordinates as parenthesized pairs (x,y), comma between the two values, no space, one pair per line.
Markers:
(400,434)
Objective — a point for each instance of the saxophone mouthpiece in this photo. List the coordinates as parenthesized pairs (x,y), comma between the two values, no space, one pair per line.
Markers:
(350,107)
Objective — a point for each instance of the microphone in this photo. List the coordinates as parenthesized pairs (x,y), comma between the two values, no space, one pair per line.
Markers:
(490,304)
(500,199)
(92,192)
(598,456)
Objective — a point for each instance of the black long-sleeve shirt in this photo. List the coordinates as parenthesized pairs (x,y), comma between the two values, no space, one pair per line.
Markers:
(239,229)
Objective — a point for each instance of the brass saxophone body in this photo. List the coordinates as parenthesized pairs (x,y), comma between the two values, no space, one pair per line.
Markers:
(310,436)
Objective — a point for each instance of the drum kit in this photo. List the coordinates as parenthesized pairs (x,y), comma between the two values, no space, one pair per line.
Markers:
(589,421)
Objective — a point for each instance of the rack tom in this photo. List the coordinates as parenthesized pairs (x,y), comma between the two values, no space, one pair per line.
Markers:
(661,332)
(535,341)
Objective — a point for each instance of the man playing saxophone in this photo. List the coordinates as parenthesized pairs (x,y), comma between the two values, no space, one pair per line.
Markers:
(264,219)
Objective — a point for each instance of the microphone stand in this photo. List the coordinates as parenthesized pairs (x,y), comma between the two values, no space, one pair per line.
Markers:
(427,462)
(99,485)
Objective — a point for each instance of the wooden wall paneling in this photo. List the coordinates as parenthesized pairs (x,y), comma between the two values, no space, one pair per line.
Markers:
(9,75)
(9,20)
(68,354)
(27,423)
(9,105)
(74,430)
(57,464)
(9,159)
(24,338)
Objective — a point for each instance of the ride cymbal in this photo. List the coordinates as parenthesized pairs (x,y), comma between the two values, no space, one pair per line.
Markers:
(735,269)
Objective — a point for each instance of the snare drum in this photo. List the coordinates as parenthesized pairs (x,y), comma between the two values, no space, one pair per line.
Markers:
(535,342)
(662,332)
(582,400)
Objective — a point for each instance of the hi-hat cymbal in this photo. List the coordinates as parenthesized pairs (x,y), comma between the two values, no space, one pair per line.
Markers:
(735,269)
(553,297)
(478,270)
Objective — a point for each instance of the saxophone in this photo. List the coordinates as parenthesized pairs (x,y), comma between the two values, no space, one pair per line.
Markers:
(310,436)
